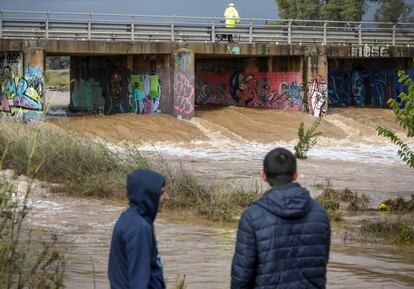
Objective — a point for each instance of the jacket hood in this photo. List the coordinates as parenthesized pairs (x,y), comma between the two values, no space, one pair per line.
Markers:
(144,191)
(287,201)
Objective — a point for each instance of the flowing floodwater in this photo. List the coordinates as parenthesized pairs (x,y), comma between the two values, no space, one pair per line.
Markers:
(229,146)
(201,251)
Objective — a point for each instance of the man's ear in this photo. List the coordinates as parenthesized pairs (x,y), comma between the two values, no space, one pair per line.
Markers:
(263,176)
(295,176)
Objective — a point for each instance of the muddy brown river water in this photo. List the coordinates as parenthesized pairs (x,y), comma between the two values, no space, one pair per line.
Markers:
(202,251)
(228,146)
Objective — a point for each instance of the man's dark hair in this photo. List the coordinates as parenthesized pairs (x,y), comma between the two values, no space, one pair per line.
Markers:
(279,165)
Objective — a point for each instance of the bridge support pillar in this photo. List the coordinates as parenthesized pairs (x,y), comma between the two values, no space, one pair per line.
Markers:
(34,73)
(316,77)
(184,83)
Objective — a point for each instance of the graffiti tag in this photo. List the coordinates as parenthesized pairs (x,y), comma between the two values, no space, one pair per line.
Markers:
(183,96)
(370,51)
(274,90)
(318,96)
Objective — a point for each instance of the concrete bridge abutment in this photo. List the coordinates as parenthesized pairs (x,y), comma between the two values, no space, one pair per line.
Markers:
(147,77)
(184,83)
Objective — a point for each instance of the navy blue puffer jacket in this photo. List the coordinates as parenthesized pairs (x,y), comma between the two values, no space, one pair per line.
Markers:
(133,259)
(282,242)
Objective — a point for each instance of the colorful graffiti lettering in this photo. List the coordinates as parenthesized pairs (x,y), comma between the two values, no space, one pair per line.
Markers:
(318,96)
(274,90)
(19,100)
(183,96)
(20,97)
(18,93)
(144,93)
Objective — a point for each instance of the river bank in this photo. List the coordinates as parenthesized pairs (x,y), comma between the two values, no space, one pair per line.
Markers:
(228,146)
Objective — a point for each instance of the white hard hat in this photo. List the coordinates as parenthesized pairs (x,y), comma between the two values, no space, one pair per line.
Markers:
(231,5)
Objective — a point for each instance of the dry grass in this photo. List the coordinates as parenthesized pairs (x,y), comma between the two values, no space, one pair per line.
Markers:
(84,167)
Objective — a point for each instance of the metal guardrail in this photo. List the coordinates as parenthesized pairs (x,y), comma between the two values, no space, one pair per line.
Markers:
(158,28)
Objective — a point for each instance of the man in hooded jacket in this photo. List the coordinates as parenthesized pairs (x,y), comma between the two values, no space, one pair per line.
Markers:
(134,261)
(283,239)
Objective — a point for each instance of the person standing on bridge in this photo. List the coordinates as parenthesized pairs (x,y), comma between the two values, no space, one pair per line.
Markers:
(231,17)
(283,239)
(134,260)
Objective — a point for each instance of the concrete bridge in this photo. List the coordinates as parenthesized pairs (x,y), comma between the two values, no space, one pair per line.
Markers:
(171,64)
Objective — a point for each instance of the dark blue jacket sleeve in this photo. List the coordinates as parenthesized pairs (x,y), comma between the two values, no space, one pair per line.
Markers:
(243,269)
(139,247)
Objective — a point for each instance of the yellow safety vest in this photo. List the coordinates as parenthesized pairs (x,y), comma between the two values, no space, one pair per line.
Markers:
(232,17)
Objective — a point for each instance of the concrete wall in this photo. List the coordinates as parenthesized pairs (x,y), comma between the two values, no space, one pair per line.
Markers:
(366,82)
(68,47)
(124,83)
(184,87)
(266,82)
(22,84)
(145,77)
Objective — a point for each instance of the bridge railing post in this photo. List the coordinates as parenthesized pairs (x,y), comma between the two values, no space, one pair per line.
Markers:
(251,30)
(47,25)
(290,32)
(325,25)
(132,28)
(172,28)
(213,30)
(1,23)
(360,33)
(394,32)
(89,26)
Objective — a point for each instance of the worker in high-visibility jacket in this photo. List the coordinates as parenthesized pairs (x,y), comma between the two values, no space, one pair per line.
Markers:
(231,17)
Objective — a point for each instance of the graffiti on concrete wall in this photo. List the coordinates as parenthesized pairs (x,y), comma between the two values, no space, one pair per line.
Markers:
(183,95)
(364,87)
(20,96)
(318,96)
(339,88)
(183,60)
(358,91)
(370,51)
(20,99)
(35,77)
(144,93)
(214,88)
(275,90)
(184,87)
(87,95)
(10,65)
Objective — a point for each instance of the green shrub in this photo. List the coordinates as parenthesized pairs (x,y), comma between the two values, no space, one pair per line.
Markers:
(224,203)
(400,204)
(399,232)
(346,199)
(405,117)
(307,139)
